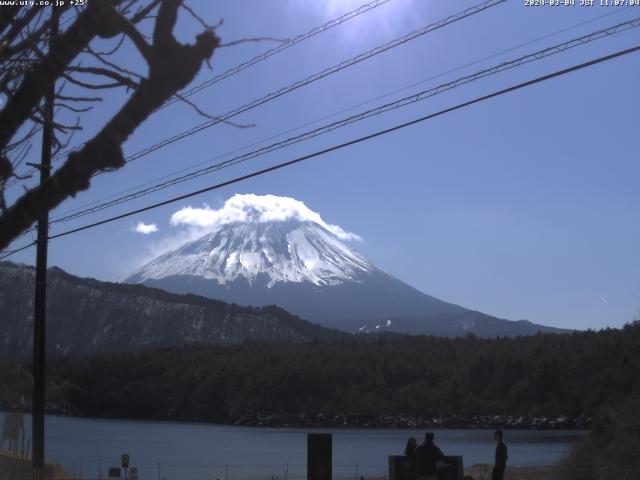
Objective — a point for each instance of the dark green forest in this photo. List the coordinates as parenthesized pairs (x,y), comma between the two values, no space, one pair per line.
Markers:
(542,375)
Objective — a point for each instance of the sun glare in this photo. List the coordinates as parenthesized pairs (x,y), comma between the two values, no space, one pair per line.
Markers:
(336,7)
(387,17)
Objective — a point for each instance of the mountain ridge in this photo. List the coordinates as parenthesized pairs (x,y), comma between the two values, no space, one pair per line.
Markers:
(85,315)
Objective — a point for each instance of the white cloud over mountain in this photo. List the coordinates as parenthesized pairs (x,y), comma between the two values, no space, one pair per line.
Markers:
(250,208)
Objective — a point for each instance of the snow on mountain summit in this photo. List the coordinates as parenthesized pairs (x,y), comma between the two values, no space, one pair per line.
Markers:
(250,208)
(275,238)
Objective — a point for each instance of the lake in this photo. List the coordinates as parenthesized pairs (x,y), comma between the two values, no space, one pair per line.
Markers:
(193,451)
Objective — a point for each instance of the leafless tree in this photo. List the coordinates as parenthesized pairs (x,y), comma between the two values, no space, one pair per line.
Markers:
(31,59)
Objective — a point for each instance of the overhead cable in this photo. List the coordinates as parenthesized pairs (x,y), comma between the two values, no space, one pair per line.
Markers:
(340,146)
(423,95)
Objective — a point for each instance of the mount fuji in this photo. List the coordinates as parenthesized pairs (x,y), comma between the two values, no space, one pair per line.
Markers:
(265,250)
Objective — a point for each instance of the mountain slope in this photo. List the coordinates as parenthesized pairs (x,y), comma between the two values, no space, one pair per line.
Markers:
(89,316)
(281,251)
(274,250)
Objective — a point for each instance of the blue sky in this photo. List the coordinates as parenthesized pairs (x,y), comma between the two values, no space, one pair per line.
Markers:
(525,206)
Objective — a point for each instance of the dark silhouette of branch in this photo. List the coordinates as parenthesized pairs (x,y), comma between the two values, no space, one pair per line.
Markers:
(110,52)
(107,73)
(253,40)
(200,20)
(199,111)
(78,99)
(93,86)
(38,119)
(72,109)
(101,57)
(30,34)
(28,41)
(172,66)
(21,155)
(130,31)
(17,26)
(25,138)
(59,146)
(7,15)
(35,83)
(144,12)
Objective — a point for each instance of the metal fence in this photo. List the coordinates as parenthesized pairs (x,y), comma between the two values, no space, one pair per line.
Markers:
(98,469)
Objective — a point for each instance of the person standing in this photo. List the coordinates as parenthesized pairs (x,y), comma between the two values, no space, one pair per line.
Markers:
(501,457)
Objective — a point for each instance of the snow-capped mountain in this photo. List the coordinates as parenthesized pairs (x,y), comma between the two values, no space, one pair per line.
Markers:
(278,251)
(262,250)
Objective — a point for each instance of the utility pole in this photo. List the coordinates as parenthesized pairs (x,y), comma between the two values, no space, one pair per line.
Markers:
(39,320)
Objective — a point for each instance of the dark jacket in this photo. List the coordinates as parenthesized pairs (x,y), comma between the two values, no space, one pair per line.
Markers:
(501,455)
(426,457)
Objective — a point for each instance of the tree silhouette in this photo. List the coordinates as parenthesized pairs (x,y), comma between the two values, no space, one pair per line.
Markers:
(27,72)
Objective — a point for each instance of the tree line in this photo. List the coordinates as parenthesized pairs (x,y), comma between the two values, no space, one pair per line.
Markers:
(540,375)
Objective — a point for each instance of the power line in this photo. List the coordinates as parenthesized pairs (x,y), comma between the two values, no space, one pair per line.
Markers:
(475,62)
(14,251)
(313,78)
(507,65)
(361,139)
(324,73)
(249,63)
(269,53)
(317,76)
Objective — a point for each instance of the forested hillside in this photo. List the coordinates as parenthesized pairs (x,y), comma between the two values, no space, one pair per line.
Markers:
(542,375)
(87,316)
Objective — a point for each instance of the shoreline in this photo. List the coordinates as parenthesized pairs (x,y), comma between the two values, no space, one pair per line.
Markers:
(408,422)
(507,422)
(539,472)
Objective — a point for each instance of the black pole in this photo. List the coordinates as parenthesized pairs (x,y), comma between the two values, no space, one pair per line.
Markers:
(39,320)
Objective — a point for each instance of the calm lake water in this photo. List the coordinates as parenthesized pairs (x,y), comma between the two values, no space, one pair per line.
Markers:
(192,451)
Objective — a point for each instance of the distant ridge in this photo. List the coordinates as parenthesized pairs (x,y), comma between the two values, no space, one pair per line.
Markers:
(89,316)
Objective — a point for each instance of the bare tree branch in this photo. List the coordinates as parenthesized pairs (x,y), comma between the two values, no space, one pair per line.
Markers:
(200,20)
(143,12)
(28,42)
(20,156)
(113,50)
(78,99)
(17,26)
(130,30)
(171,67)
(126,81)
(34,84)
(27,136)
(73,109)
(199,111)
(100,57)
(93,86)
(253,40)
(7,15)
(61,146)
